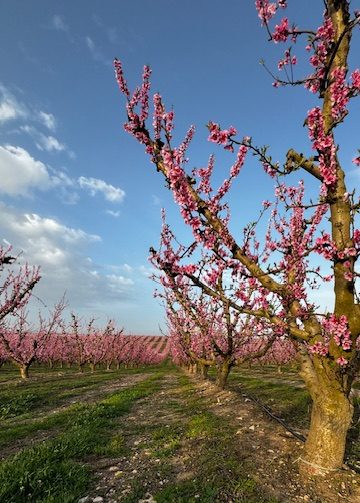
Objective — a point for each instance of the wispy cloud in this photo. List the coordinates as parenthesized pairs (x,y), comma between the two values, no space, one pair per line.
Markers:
(28,119)
(95,52)
(156,200)
(58,23)
(111,32)
(50,144)
(48,120)
(44,142)
(114,214)
(95,185)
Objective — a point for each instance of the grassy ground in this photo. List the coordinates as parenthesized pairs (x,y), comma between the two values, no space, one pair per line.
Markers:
(123,435)
(54,470)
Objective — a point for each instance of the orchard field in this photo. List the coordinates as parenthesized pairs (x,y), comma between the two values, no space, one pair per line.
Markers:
(159,434)
(253,396)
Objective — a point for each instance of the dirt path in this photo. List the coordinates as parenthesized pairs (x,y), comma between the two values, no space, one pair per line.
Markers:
(159,452)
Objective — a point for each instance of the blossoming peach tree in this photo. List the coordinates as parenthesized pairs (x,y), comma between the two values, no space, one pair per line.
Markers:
(206,325)
(280,267)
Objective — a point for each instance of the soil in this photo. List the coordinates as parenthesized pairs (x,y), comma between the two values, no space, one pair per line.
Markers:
(272,453)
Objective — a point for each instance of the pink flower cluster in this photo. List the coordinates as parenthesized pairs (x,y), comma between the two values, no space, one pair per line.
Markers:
(322,45)
(324,144)
(235,169)
(339,93)
(319,348)
(342,361)
(325,246)
(221,136)
(267,10)
(355,78)
(338,329)
(282,31)
(287,60)
(119,75)
(161,118)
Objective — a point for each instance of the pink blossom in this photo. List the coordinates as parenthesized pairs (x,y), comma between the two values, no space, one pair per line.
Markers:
(355,77)
(282,31)
(219,136)
(342,361)
(266,10)
(324,144)
(339,93)
(319,348)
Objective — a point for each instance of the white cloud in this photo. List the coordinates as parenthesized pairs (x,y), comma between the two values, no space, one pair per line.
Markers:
(114,214)
(21,175)
(58,22)
(34,228)
(19,172)
(43,142)
(116,281)
(94,185)
(10,107)
(127,268)
(48,120)
(61,251)
(49,143)
(147,271)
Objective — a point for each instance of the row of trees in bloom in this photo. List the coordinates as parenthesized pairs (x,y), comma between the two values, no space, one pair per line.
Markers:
(260,284)
(55,341)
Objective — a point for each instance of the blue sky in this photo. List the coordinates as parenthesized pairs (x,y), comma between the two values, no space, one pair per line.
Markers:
(77,194)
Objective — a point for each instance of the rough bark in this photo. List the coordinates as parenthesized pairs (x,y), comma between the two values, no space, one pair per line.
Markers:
(331,416)
(222,373)
(202,370)
(24,371)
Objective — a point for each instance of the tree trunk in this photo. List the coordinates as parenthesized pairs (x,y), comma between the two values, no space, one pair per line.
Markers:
(202,370)
(331,416)
(222,373)
(24,371)
(108,366)
(92,367)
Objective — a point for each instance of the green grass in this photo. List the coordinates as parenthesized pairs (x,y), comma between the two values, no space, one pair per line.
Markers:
(54,471)
(286,401)
(20,400)
(58,470)
(49,389)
